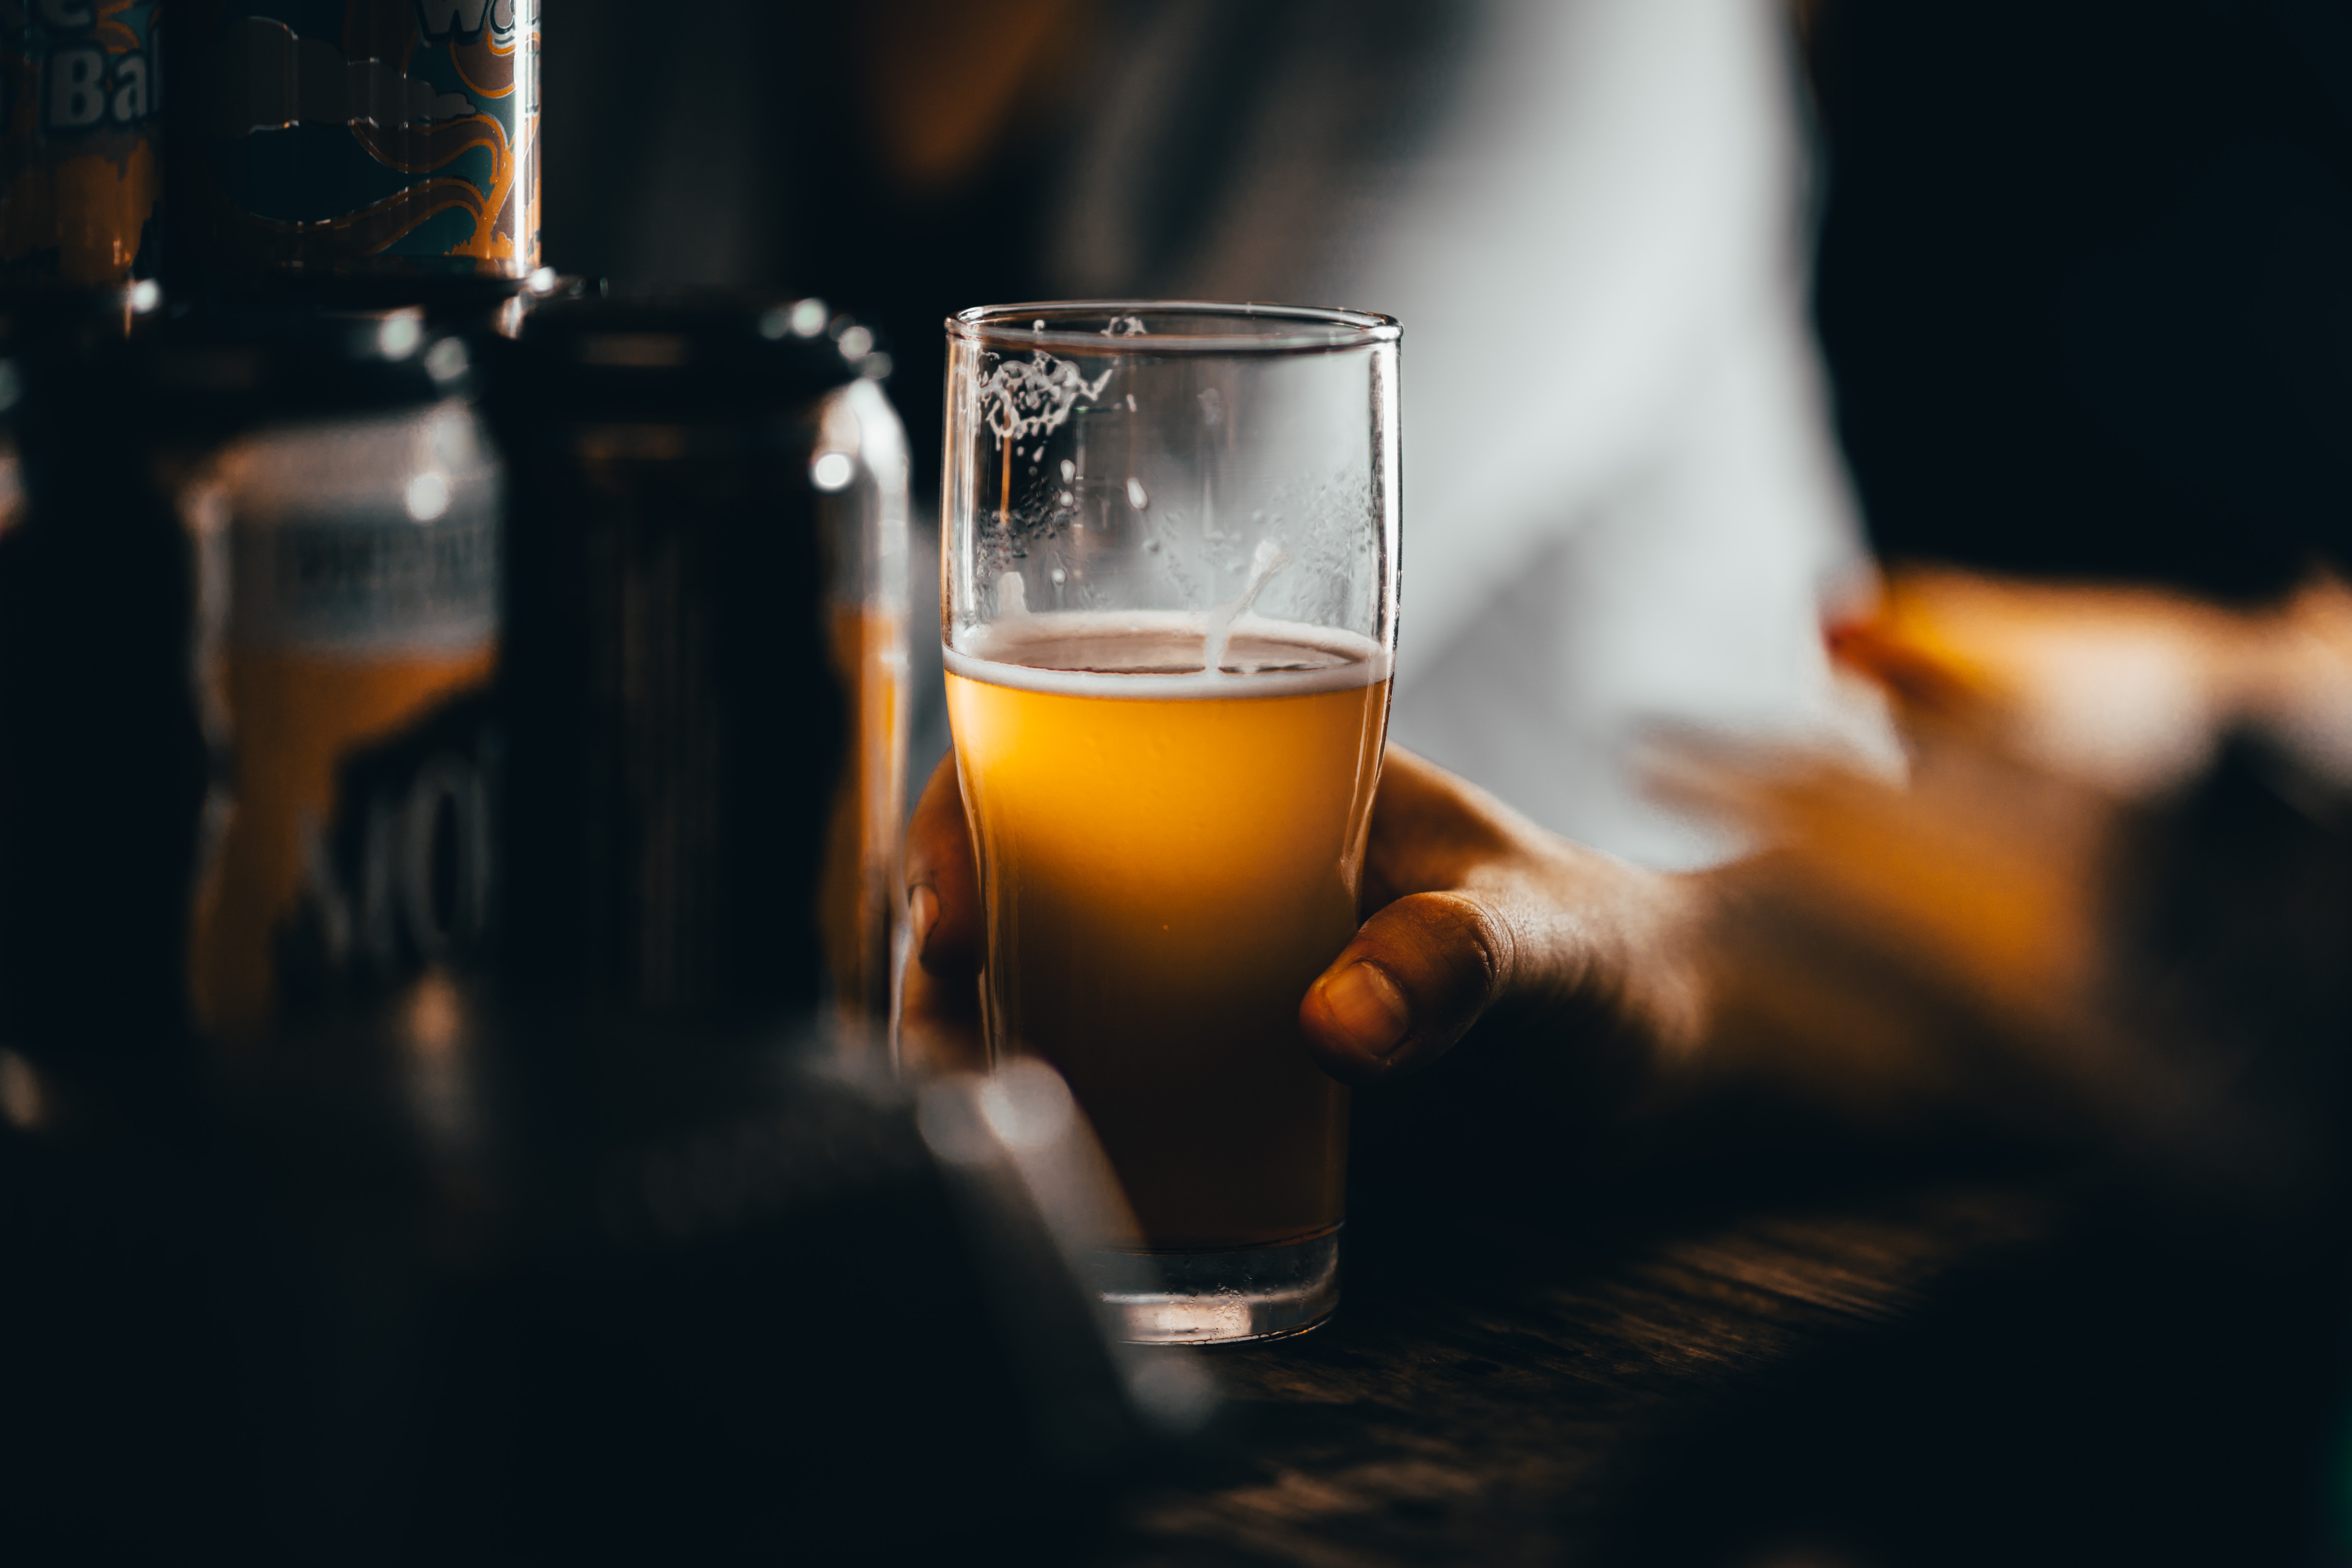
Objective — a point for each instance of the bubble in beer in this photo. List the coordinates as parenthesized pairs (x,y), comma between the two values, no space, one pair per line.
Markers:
(1135,495)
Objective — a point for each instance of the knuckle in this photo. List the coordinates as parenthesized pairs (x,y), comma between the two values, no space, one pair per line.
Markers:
(1468,929)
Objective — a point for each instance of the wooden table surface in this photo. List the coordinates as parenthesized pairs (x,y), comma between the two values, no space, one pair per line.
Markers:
(1793,1356)
(1479,1406)
(1909,1370)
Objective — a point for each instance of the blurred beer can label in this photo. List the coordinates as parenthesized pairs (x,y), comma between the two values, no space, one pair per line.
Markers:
(360,586)
(81,102)
(356,859)
(368,137)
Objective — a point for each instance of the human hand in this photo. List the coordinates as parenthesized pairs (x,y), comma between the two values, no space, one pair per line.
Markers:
(938,985)
(1478,913)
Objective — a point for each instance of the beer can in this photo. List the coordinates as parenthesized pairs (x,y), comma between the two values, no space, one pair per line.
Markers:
(340,141)
(349,544)
(705,689)
(247,746)
(80,116)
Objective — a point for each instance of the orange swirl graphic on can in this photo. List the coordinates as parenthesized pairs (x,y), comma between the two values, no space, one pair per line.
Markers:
(79,117)
(404,142)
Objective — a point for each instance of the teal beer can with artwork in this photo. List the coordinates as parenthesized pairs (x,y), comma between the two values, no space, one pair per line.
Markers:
(389,139)
(81,96)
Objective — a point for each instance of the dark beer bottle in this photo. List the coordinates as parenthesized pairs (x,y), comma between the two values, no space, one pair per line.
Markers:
(706,563)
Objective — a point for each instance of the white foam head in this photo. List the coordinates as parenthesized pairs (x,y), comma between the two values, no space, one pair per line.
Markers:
(1159,654)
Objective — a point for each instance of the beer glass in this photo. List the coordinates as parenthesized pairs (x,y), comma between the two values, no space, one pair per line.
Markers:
(1168,620)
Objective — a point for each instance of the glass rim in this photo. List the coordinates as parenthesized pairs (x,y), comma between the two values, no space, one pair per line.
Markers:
(1292,328)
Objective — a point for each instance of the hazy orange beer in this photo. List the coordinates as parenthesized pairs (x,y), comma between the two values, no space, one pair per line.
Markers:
(1169,631)
(1170,861)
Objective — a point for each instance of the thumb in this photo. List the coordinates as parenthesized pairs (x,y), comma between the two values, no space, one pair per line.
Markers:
(1419,974)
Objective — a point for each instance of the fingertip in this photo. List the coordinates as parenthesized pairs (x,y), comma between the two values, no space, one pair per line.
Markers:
(1356,1017)
(1364,1003)
(942,882)
(923,915)
(1417,976)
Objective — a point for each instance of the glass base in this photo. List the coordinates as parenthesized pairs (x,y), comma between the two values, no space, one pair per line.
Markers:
(1218,1297)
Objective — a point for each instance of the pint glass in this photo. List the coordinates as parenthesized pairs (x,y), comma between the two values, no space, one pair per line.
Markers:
(1169,618)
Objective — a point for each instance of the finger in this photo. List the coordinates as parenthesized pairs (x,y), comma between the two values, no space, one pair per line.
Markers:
(938,997)
(1429,827)
(938,1023)
(1419,974)
(942,882)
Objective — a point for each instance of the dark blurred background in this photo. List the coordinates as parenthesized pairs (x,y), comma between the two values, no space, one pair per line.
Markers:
(2086,282)
(904,159)
(2084,270)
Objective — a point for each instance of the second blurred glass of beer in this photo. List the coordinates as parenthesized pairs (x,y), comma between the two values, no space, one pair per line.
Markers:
(1169,622)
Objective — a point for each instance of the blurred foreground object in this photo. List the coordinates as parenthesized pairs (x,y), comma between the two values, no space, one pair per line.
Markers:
(598,1303)
(347,543)
(300,776)
(706,688)
(2113,900)
(421,1128)
(256,805)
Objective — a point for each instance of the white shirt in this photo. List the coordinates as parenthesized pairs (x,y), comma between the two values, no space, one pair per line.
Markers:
(1623,508)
